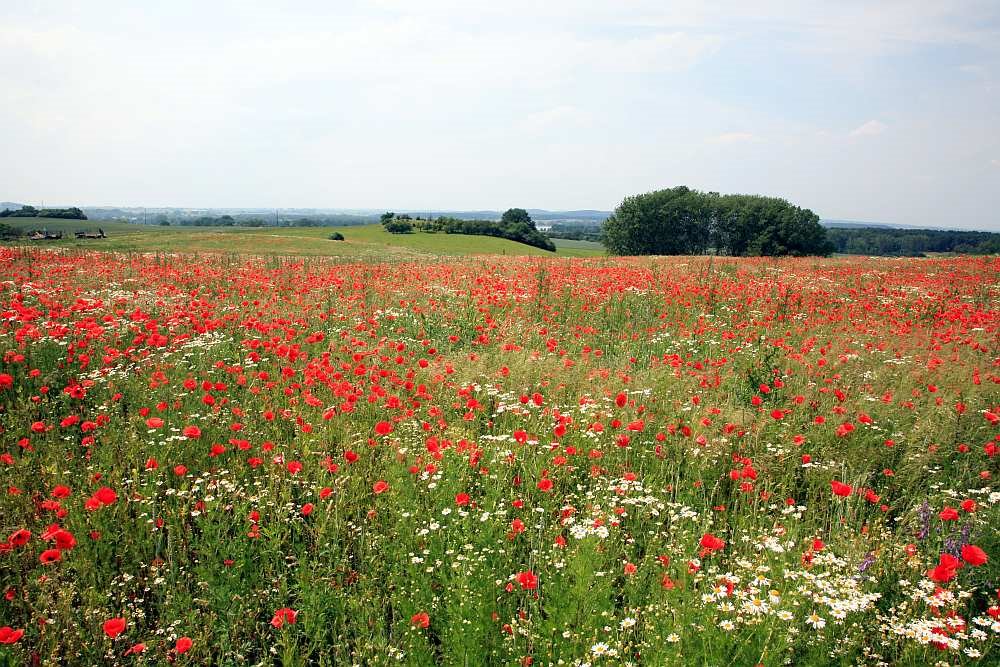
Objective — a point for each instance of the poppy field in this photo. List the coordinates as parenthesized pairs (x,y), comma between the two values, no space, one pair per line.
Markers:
(659,461)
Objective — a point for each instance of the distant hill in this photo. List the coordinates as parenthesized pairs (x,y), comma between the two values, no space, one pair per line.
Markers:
(854,224)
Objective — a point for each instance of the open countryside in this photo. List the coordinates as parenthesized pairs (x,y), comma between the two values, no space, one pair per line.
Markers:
(288,376)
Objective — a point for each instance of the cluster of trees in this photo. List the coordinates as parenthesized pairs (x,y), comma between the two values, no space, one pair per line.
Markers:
(575,231)
(911,242)
(8,233)
(515,224)
(216,221)
(72,213)
(682,221)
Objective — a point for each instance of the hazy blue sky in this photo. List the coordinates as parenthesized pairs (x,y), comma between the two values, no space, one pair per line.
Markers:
(866,110)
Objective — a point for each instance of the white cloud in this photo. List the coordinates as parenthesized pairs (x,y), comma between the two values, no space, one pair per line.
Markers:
(869,129)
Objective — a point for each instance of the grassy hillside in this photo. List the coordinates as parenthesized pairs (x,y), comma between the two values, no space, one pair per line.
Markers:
(361,241)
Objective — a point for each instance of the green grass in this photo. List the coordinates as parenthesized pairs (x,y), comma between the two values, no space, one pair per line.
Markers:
(575,248)
(360,240)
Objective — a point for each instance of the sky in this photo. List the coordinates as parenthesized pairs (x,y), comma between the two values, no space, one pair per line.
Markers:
(880,111)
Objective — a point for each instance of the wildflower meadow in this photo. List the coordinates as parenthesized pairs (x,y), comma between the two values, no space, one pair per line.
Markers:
(221,459)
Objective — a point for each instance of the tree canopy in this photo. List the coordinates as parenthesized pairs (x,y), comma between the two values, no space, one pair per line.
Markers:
(912,242)
(516,216)
(682,221)
(515,224)
(72,213)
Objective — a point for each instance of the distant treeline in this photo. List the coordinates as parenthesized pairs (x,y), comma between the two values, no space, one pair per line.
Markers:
(213,221)
(256,220)
(911,242)
(515,224)
(72,213)
(681,221)
(575,231)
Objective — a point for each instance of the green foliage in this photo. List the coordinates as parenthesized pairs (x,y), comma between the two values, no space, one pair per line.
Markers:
(8,233)
(336,236)
(398,226)
(23,212)
(911,242)
(72,213)
(576,232)
(516,228)
(513,216)
(682,221)
(515,225)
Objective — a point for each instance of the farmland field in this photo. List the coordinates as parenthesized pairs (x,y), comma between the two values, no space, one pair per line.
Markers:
(361,241)
(221,459)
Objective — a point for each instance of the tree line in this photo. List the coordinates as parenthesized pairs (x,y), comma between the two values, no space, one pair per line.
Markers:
(515,224)
(911,242)
(682,221)
(72,213)
(215,221)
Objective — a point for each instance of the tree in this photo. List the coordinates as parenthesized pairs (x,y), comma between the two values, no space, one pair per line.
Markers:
(515,215)
(655,223)
(398,226)
(681,221)
(8,232)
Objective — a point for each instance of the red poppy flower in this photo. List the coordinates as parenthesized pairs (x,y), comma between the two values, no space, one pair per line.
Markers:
(114,627)
(19,537)
(711,542)
(380,486)
(63,538)
(528,580)
(973,555)
(50,556)
(420,620)
(183,645)
(105,495)
(9,635)
(840,489)
(948,514)
(946,569)
(383,428)
(283,616)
